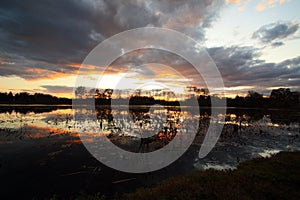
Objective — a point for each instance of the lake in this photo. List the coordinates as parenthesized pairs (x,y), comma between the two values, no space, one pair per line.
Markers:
(42,154)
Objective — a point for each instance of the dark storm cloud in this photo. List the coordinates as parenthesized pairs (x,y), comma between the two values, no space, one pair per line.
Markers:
(52,34)
(241,66)
(152,63)
(238,65)
(48,39)
(51,31)
(17,65)
(273,33)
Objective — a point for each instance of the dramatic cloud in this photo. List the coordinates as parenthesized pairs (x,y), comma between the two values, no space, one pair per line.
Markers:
(49,39)
(241,66)
(17,65)
(273,33)
(156,65)
(49,35)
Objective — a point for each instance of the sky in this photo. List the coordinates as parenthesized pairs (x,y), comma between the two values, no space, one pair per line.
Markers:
(253,43)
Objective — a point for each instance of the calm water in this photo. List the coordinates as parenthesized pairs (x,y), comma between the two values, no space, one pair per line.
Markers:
(42,154)
(247,132)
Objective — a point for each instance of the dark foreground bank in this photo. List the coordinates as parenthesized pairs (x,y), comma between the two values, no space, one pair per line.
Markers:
(277,177)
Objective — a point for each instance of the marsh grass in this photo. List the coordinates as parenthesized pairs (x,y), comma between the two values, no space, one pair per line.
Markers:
(277,177)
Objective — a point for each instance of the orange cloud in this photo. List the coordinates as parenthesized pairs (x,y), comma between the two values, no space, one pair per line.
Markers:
(268,4)
(34,74)
(242,4)
(233,1)
(94,69)
(38,74)
(262,5)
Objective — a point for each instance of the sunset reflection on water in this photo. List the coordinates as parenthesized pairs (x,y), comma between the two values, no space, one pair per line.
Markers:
(246,133)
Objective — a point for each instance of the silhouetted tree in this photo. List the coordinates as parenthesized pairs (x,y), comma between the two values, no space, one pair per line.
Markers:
(80,92)
(283,97)
(108,93)
(254,95)
(92,93)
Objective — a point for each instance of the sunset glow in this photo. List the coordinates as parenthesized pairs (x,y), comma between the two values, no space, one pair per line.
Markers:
(254,43)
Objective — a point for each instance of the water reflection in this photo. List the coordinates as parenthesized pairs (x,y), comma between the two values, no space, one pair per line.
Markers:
(140,129)
(247,132)
(24,109)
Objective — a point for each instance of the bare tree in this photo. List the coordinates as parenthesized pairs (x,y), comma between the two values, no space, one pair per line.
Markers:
(80,92)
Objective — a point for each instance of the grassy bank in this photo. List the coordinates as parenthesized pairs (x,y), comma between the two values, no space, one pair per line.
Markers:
(277,177)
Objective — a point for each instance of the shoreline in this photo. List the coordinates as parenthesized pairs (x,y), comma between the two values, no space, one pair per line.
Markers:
(275,177)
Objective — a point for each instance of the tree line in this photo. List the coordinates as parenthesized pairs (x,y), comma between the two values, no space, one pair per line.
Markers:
(279,98)
(36,98)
